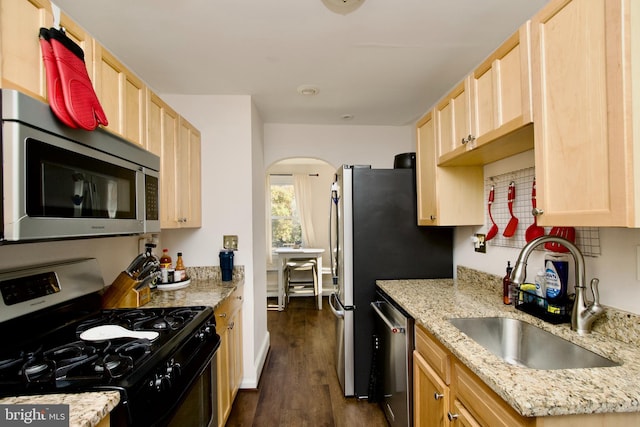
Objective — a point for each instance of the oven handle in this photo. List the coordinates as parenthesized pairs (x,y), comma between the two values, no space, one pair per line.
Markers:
(393,328)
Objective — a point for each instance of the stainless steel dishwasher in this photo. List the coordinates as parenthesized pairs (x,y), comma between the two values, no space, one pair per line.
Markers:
(393,349)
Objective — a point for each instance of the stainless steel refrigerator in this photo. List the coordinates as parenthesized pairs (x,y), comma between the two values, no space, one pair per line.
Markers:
(374,236)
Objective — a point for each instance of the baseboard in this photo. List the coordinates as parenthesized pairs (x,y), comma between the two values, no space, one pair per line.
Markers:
(251,383)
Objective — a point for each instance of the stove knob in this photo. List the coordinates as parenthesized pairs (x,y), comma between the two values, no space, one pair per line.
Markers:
(161,383)
(174,370)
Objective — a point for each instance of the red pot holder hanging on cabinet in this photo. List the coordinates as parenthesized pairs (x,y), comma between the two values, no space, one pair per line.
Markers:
(71,94)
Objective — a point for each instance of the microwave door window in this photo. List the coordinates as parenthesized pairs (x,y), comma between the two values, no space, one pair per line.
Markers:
(64,184)
(63,192)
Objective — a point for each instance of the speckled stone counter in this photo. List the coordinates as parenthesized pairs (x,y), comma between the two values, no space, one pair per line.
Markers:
(531,392)
(206,288)
(85,409)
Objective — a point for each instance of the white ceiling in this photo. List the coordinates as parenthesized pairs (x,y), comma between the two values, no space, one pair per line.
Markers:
(386,63)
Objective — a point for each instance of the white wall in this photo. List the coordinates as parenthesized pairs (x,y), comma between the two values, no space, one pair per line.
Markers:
(229,192)
(615,267)
(338,145)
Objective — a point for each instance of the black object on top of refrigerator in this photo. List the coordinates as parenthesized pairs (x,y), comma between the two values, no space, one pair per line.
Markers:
(374,236)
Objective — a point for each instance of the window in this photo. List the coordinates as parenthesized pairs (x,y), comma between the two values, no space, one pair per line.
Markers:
(285,222)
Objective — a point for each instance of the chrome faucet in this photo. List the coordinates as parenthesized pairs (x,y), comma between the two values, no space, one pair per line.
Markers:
(584,313)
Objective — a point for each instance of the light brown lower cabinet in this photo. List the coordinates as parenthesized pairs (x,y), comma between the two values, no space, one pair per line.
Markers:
(430,393)
(447,393)
(229,327)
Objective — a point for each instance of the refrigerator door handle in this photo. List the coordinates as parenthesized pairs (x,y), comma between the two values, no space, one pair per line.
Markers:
(338,313)
(333,207)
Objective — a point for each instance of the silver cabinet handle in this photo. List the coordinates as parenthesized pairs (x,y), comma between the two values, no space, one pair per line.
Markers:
(223,315)
(231,325)
(452,417)
(537,211)
(437,396)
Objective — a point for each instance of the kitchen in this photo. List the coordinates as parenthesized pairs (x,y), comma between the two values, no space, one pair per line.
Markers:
(232,209)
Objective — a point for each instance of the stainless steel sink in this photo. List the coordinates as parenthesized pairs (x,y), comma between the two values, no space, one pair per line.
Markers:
(522,344)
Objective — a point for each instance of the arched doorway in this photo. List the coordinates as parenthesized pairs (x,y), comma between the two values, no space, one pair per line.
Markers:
(285,225)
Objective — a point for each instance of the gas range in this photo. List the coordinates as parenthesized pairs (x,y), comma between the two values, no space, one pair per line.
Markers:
(153,357)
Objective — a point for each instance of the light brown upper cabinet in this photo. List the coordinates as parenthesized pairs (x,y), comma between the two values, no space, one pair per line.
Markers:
(496,97)
(446,195)
(177,142)
(452,116)
(188,199)
(585,99)
(162,139)
(122,96)
(21,65)
(80,37)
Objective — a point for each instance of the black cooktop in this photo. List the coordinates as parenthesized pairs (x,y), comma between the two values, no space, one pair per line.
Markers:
(60,360)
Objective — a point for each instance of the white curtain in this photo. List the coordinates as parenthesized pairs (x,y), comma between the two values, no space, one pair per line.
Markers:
(304,201)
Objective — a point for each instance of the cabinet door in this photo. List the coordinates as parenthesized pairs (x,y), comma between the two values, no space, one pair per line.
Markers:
(452,116)
(426,163)
(430,395)
(21,65)
(446,195)
(80,37)
(122,96)
(162,137)
(224,394)
(235,344)
(188,173)
(501,89)
(579,99)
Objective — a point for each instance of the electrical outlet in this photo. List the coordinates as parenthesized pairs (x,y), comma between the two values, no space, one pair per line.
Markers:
(230,242)
(479,243)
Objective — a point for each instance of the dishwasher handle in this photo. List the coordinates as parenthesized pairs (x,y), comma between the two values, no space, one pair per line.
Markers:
(393,328)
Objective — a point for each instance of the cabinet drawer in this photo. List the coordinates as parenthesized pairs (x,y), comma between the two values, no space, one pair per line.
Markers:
(434,353)
(483,403)
(462,417)
(227,308)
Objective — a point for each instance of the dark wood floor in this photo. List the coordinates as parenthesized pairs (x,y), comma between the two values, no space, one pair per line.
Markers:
(299,386)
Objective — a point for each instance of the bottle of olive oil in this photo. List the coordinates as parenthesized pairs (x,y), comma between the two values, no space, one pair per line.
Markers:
(506,285)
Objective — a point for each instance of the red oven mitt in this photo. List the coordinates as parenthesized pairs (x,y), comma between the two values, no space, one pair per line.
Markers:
(79,97)
(54,85)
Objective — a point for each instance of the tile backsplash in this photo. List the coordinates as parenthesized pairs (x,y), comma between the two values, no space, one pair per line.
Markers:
(587,238)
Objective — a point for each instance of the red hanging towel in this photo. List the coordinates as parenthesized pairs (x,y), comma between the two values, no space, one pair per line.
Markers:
(79,97)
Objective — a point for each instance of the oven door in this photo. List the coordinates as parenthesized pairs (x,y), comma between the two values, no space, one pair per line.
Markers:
(199,407)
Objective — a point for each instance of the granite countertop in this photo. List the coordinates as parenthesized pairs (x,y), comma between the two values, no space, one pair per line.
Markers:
(85,409)
(530,392)
(88,409)
(210,292)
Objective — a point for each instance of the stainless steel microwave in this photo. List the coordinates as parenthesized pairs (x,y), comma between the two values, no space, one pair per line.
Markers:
(61,183)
